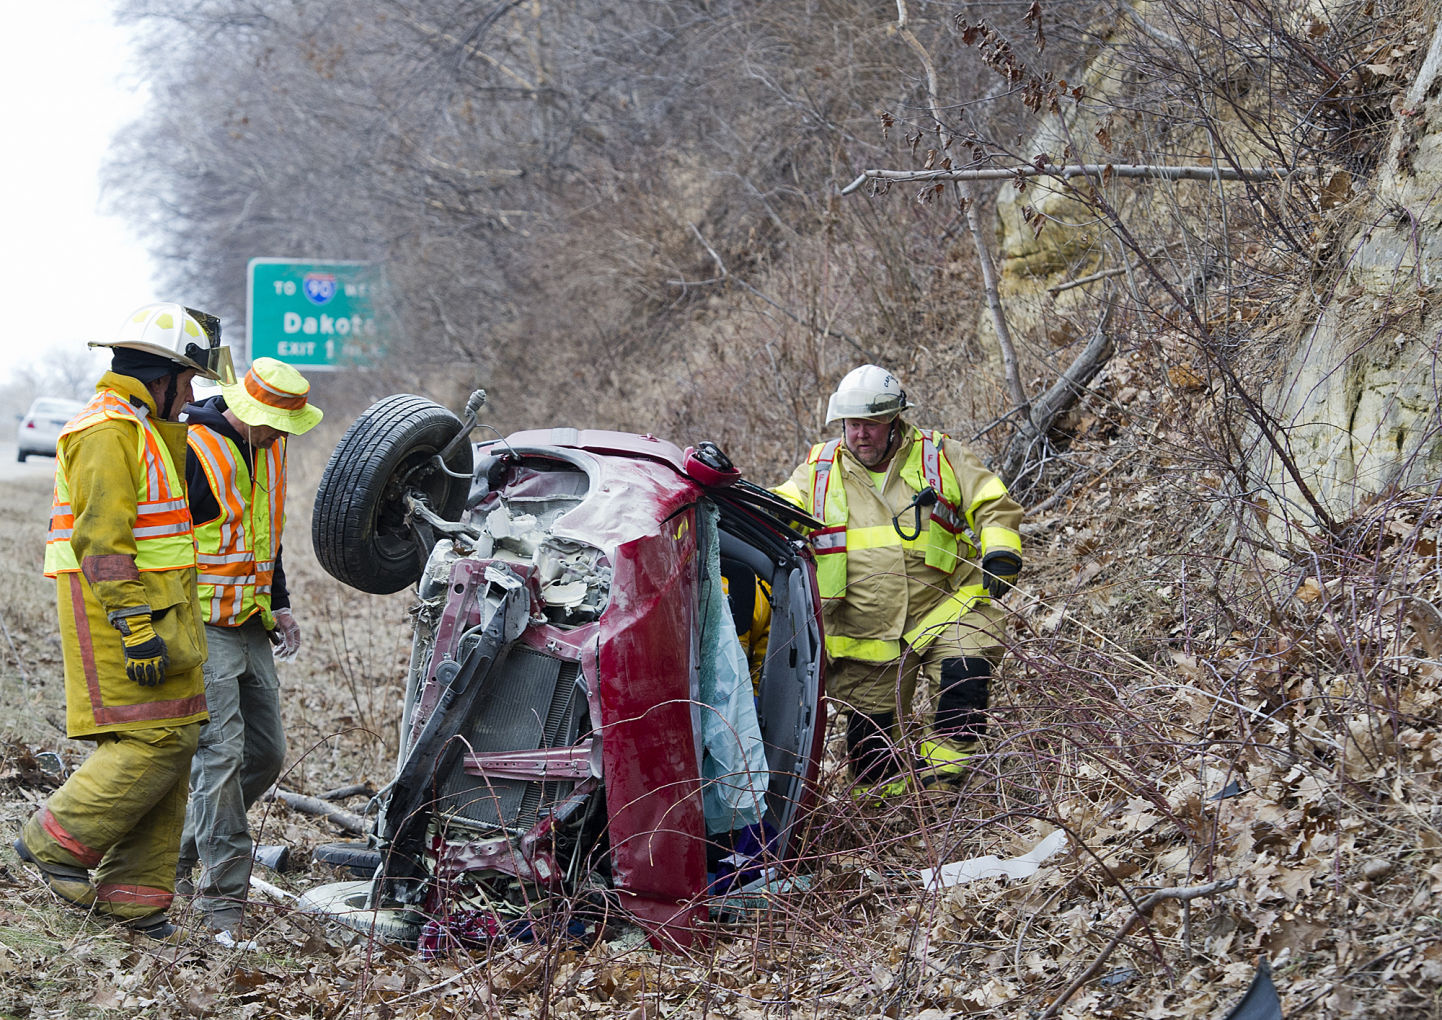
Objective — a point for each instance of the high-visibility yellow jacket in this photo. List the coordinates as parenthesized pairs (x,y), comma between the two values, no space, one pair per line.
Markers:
(235,551)
(120,537)
(751,612)
(878,588)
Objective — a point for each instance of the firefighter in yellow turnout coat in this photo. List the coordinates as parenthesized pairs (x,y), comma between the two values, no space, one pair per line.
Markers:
(122,552)
(920,538)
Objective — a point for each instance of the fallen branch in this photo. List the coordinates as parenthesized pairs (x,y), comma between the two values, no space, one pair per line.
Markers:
(342,792)
(1070,170)
(1142,912)
(1064,393)
(1082,281)
(340,817)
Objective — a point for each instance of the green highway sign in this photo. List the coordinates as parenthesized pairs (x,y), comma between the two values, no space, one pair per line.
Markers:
(317,315)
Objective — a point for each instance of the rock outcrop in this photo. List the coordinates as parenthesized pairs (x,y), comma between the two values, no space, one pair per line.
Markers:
(1355,391)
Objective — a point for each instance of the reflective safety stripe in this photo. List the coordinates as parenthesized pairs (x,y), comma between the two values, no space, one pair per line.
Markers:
(1000,538)
(236,550)
(864,649)
(930,460)
(162,531)
(992,538)
(954,608)
(162,517)
(824,457)
(828,542)
(212,558)
(881,536)
(993,489)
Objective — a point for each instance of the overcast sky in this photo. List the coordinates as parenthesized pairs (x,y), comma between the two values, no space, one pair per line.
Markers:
(67,274)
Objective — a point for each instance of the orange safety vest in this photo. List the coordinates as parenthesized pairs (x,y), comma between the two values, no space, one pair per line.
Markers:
(236,551)
(163,538)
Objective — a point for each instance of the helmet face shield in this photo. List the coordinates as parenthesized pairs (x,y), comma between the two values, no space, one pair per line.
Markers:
(214,362)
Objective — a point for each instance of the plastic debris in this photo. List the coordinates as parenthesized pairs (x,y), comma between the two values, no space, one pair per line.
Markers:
(229,941)
(991,866)
(1232,789)
(758,896)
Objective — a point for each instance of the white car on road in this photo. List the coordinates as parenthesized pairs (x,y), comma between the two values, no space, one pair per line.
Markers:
(41,426)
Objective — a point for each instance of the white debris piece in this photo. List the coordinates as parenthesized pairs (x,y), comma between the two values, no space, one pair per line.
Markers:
(991,866)
(565,593)
(515,531)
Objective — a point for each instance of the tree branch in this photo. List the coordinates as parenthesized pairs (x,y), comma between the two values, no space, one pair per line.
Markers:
(1061,396)
(973,221)
(1068,171)
(1142,912)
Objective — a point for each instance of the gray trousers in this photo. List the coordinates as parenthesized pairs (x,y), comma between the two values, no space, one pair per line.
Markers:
(240,755)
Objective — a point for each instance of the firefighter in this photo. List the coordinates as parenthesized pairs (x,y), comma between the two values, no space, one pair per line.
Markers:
(236,476)
(919,541)
(122,551)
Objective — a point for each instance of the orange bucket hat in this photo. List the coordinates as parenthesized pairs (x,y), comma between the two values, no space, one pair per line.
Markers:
(273,393)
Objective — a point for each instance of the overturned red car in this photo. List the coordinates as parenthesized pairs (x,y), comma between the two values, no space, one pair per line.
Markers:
(614,692)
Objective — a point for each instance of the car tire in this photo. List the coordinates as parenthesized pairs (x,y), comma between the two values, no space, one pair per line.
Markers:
(357,858)
(20,455)
(359,527)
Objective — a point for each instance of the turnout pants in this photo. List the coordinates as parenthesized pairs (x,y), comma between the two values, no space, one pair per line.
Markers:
(875,688)
(121,815)
(882,732)
(240,755)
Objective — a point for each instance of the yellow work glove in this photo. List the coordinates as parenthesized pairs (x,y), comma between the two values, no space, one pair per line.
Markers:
(145,654)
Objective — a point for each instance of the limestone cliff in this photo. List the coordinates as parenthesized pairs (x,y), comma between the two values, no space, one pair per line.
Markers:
(1352,329)
(1360,393)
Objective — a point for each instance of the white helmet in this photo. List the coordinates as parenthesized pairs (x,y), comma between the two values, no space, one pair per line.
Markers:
(867,392)
(182,335)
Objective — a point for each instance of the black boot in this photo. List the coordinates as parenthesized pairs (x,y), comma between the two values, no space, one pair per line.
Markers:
(868,746)
(962,700)
(960,719)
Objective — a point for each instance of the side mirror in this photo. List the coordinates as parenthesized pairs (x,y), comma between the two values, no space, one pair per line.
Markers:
(707,465)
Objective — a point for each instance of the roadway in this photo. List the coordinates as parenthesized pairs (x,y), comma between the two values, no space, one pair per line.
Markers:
(35,466)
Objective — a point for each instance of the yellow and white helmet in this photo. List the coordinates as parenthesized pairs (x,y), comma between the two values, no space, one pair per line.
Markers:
(867,392)
(182,335)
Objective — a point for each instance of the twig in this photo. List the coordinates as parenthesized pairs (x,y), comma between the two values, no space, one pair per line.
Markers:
(726,276)
(1082,281)
(1362,968)
(1142,911)
(967,201)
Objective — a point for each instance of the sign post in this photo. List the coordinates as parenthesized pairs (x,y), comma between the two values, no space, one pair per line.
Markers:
(313,315)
